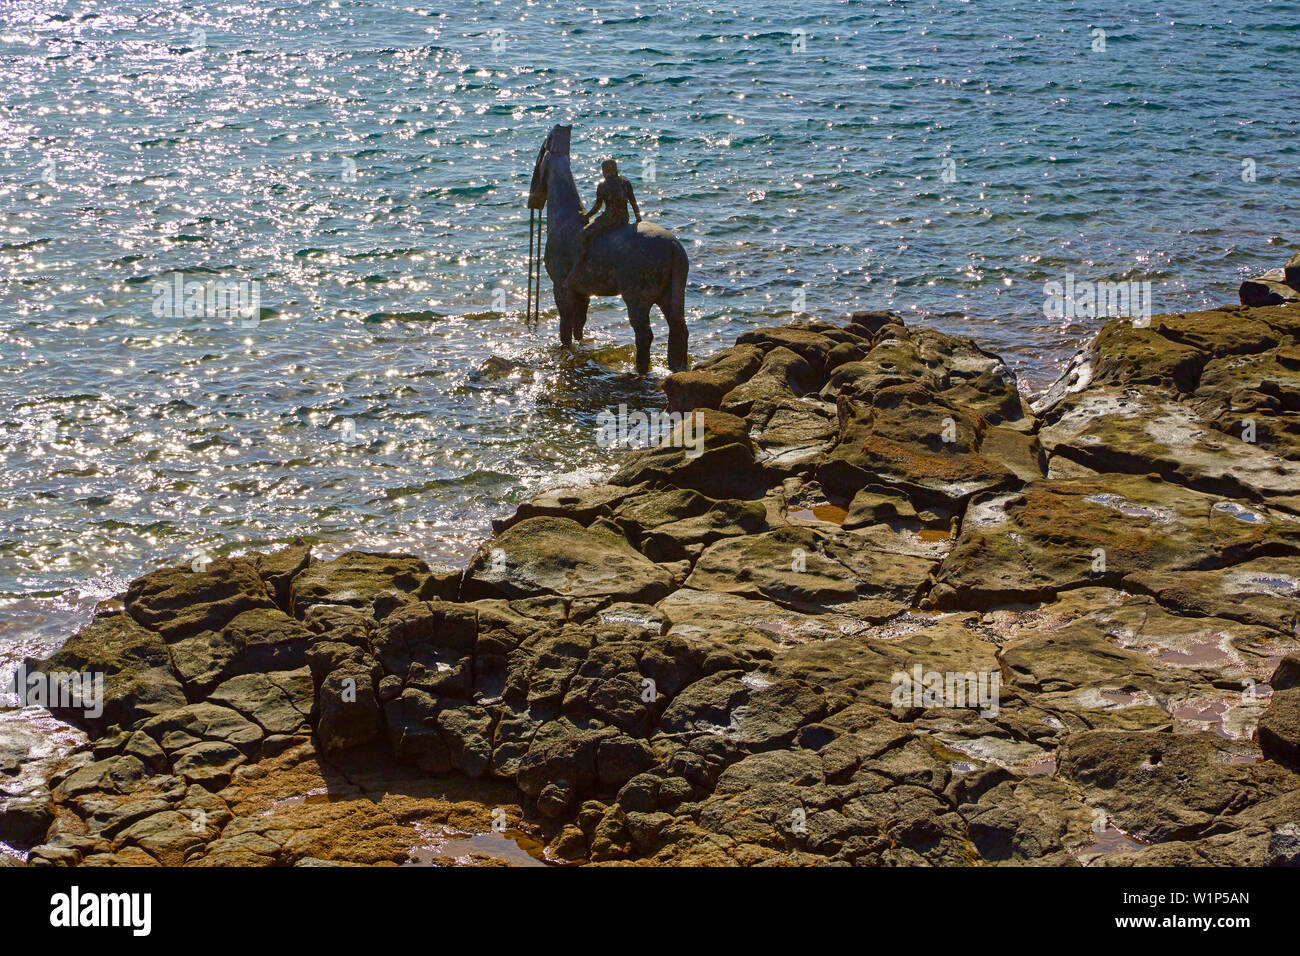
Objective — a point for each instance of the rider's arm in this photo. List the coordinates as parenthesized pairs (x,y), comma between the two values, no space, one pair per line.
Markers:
(600,199)
(631,197)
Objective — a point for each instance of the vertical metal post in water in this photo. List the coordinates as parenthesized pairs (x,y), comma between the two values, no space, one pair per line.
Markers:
(536,260)
(541,261)
(528,308)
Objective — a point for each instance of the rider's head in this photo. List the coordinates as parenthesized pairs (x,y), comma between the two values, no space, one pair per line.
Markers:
(609,167)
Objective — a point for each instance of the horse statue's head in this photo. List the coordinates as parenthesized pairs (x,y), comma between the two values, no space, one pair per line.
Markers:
(557,144)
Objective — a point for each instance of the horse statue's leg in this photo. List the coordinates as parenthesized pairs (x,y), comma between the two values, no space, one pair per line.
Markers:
(673,306)
(638,313)
(580,303)
(565,304)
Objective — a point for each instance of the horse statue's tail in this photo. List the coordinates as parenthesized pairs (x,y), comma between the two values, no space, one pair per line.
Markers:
(677,309)
(678,289)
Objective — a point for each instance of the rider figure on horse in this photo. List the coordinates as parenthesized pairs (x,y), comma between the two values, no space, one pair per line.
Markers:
(615,194)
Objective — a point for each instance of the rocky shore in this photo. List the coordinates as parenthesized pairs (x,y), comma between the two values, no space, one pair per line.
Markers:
(747,651)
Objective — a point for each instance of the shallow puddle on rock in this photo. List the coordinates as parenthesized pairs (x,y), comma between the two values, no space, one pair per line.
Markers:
(1241,512)
(1248,755)
(987,513)
(697,612)
(773,453)
(318,795)
(1111,840)
(1039,766)
(1255,582)
(1203,709)
(1116,699)
(832,513)
(791,628)
(448,847)
(1198,652)
(933,534)
(907,623)
(1201,649)
(645,621)
(1259,691)
(1129,509)
(1016,756)
(784,632)
(1232,717)
(826,514)
(958,762)
(1269,659)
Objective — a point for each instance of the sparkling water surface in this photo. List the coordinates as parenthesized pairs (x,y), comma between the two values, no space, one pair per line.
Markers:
(365,164)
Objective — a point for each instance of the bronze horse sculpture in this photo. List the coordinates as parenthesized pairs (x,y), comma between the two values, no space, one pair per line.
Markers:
(642,262)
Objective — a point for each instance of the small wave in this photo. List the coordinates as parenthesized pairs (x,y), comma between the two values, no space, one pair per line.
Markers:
(417,316)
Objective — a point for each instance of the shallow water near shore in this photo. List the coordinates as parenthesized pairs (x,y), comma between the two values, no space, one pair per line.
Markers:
(449,847)
(364,162)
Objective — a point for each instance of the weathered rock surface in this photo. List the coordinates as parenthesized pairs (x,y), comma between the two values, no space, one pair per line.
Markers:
(1274,287)
(541,556)
(883,613)
(1268,289)
(1052,536)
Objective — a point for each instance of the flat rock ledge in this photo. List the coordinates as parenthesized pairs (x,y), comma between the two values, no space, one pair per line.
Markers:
(700,661)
